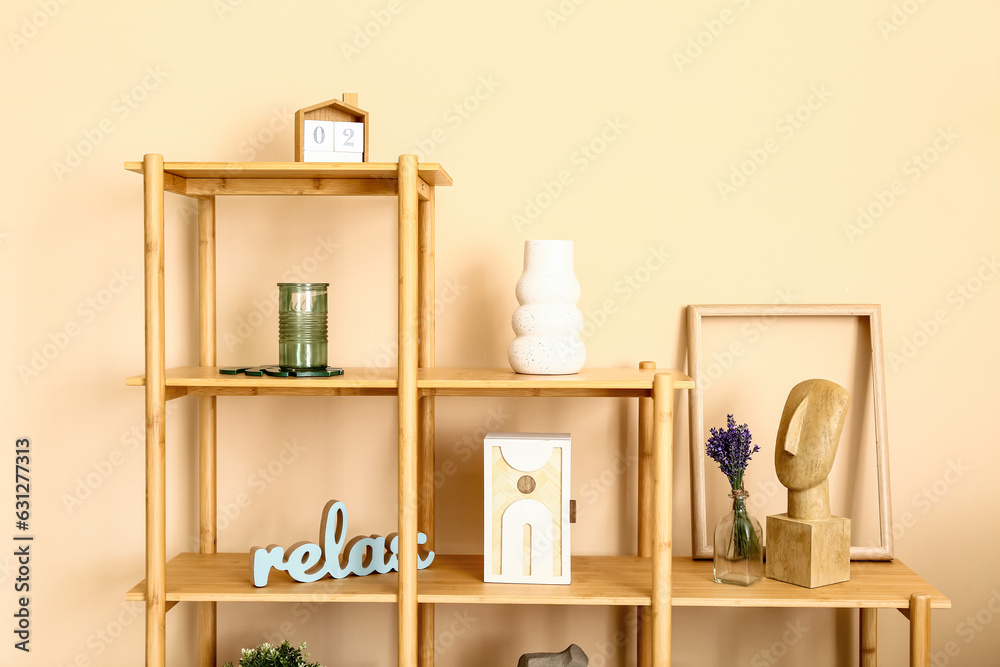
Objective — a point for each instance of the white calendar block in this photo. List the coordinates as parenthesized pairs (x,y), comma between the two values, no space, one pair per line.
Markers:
(318,135)
(332,131)
(330,156)
(348,137)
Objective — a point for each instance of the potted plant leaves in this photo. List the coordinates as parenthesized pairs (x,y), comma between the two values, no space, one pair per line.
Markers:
(267,655)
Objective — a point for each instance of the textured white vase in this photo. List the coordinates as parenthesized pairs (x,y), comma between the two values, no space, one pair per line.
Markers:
(547,323)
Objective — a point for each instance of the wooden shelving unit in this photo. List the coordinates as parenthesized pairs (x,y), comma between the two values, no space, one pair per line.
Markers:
(651,579)
(206,576)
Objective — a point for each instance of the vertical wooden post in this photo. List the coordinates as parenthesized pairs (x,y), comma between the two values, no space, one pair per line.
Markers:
(645,515)
(425,354)
(869,637)
(208,540)
(699,531)
(663,454)
(920,630)
(407,402)
(156,392)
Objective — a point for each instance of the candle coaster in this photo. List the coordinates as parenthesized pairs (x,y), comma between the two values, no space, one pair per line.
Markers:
(233,370)
(278,371)
(329,371)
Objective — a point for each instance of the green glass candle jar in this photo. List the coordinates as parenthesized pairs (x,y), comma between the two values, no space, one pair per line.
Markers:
(302,326)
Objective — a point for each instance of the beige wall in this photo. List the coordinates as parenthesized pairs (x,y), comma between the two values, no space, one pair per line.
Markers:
(645,111)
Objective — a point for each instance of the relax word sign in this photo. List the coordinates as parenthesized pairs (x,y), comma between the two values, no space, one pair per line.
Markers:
(307,562)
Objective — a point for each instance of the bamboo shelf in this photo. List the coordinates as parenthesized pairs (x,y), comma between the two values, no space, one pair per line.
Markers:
(595,382)
(652,580)
(597,580)
(225,577)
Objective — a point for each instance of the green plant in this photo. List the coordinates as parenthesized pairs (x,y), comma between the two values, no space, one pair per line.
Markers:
(267,655)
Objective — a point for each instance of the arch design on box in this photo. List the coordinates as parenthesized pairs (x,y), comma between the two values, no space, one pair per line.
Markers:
(526,508)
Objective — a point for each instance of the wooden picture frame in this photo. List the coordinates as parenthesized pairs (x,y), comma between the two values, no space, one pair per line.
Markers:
(700,543)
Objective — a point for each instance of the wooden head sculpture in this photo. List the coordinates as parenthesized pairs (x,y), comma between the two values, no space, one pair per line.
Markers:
(808,436)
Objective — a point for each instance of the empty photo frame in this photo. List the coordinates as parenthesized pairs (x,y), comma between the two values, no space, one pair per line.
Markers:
(701,540)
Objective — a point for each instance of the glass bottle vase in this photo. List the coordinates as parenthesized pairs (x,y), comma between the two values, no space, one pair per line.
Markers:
(739,555)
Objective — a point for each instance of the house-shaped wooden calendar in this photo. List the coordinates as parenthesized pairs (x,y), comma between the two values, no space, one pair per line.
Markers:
(526,508)
(332,131)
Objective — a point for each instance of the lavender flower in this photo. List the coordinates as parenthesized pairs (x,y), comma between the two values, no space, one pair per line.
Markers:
(730,448)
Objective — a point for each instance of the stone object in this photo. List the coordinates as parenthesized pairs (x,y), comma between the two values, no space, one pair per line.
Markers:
(807,546)
(571,657)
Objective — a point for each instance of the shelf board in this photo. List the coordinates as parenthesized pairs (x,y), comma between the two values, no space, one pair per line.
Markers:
(208,381)
(626,580)
(597,580)
(873,584)
(624,382)
(226,577)
(196,179)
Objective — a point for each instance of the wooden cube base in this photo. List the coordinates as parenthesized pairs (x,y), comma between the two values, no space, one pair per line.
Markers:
(808,553)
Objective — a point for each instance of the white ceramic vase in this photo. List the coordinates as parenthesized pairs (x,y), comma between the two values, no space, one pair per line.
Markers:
(547,323)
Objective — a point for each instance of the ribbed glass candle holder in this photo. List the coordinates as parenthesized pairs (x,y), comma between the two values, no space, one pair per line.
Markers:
(302,325)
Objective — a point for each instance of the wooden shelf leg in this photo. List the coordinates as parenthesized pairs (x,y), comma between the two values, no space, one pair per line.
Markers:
(920,630)
(644,649)
(156,392)
(663,434)
(869,638)
(407,405)
(425,354)
(208,535)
